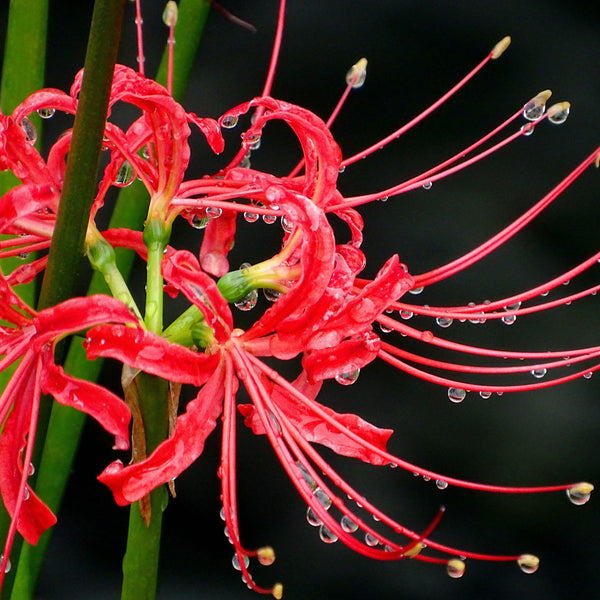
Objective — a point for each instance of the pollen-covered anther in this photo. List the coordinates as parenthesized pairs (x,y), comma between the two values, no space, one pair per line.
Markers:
(455,568)
(357,74)
(528,563)
(277,591)
(500,47)
(413,550)
(558,113)
(597,161)
(265,556)
(170,14)
(579,494)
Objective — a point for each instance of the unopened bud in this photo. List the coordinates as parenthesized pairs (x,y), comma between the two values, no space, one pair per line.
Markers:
(500,47)
(169,15)
(357,74)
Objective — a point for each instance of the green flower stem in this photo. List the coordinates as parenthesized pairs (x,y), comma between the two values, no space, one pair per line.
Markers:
(156,238)
(140,563)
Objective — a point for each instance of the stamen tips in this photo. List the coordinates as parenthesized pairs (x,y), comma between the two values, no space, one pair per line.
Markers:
(414,550)
(500,47)
(277,591)
(266,555)
(579,494)
(170,14)
(528,563)
(357,74)
(455,568)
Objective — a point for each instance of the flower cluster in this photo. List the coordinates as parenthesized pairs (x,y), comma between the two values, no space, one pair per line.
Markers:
(324,318)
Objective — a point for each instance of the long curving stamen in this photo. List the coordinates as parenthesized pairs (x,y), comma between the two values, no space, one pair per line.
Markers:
(140,41)
(170,20)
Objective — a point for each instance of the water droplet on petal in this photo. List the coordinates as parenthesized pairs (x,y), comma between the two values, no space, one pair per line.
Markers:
(579,494)
(347,378)
(538,373)
(235,561)
(348,525)
(323,499)
(528,563)
(46,113)
(125,175)
(199,222)
(248,302)
(456,394)
(455,568)
(327,535)
(29,129)
(229,121)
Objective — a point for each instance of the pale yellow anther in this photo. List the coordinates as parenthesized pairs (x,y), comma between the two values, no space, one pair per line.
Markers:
(266,555)
(543,96)
(500,47)
(558,112)
(277,591)
(412,552)
(169,15)
(579,494)
(528,563)
(597,161)
(357,74)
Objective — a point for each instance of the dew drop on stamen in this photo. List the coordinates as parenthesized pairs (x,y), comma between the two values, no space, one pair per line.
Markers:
(456,395)
(558,117)
(248,302)
(485,394)
(455,568)
(406,314)
(426,478)
(534,109)
(327,535)
(444,321)
(528,563)
(385,328)
(539,373)
(427,185)
(312,518)
(588,375)
(357,74)
(347,378)
(416,291)
(427,336)
(46,112)
(269,219)
(579,494)
(509,319)
(8,564)
(371,540)
(214,212)
(26,493)
(441,484)
(250,217)
(229,122)
(527,130)
(287,224)
(348,525)
(235,561)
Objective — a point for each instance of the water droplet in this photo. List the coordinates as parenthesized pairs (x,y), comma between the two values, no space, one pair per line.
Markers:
(484,394)
(250,217)
(579,494)
(271,295)
(229,121)
(539,373)
(342,168)
(323,499)
(427,185)
(566,282)
(46,112)
(266,556)
(26,493)
(235,561)
(327,535)
(214,212)
(455,568)
(444,321)
(347,378)
(31,470)
(528,129)
(8,564)
(306,475)
(427,336)
(269,219)
(29,129)
(416,291)
(125,175)
(385,328)
(23,255)
(222,513)
(312,518)
(456,394)
(588,375)
(371,540)
(509,319)
(441,484)
(528,563)
(199,222)
(248,302)
(406,314)
(287,224)
(357,74)
(252,141)
(534,109)
(348,525)
(426,478)
(558,118)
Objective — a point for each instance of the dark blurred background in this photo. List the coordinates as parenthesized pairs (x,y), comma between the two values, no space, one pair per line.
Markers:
(416,51)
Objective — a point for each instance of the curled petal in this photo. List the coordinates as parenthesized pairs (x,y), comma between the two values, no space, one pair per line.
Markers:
(211,130)
(217,242)
(149,352)
(107,408)
(174,455)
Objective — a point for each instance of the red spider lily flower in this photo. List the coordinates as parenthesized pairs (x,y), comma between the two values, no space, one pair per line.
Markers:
(30,337)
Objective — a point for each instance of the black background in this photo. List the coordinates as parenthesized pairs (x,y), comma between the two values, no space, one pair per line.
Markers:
(416,51)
